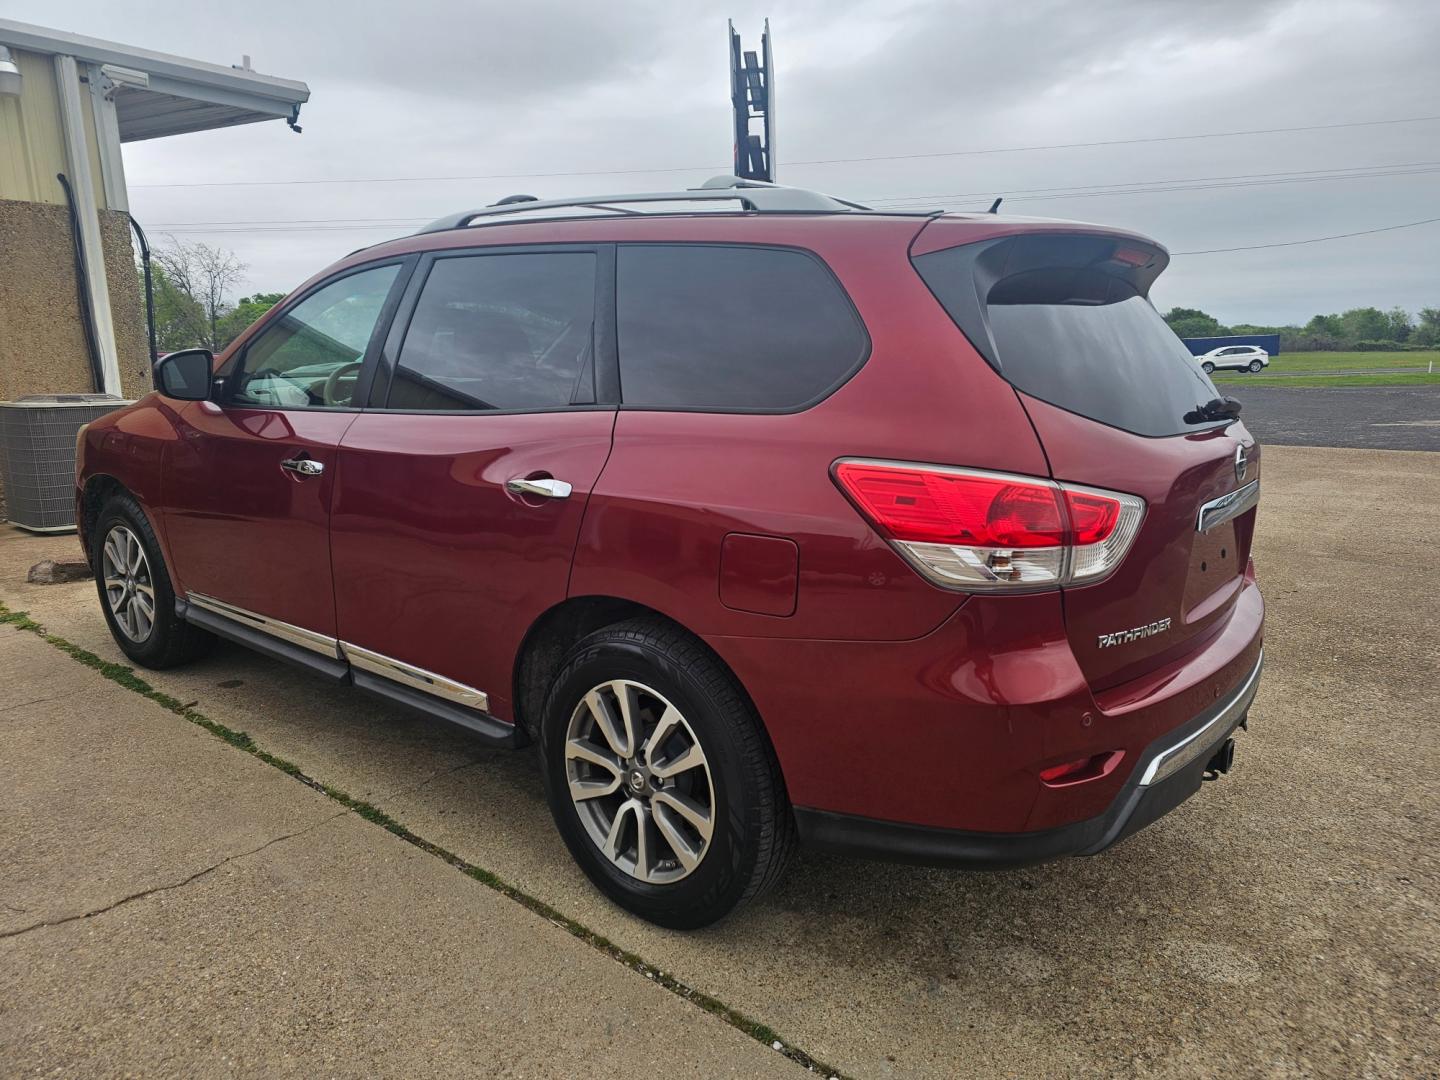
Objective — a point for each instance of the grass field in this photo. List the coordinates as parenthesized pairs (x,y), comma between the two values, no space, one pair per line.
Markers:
(1302,369)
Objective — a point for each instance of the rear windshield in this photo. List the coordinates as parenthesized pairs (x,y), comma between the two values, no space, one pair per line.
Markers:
(1066,320)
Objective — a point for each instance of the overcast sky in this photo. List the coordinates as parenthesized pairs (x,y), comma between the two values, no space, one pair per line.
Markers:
(429,89)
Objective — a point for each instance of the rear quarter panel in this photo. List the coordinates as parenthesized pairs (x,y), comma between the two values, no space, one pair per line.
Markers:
(678,481)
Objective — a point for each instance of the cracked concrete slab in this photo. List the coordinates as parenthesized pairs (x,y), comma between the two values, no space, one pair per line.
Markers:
(1282,922)
(88,767)
(171,906)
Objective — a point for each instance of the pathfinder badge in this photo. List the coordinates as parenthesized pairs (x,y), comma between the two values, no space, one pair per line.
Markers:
(1124,637)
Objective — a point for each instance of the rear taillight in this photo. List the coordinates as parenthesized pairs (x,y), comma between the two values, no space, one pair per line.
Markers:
(990,531)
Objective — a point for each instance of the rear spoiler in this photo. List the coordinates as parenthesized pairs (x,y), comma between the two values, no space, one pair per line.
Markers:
(1053,264)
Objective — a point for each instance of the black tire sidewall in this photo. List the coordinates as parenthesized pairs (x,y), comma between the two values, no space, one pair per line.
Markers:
(717,884)
(123,510)
(1208,368)
(1255,366)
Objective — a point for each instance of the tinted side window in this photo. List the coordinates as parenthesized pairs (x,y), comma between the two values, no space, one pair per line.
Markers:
(501,332)
(310,356)
(716,327)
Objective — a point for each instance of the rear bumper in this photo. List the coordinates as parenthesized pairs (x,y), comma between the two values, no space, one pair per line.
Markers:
(1168,772)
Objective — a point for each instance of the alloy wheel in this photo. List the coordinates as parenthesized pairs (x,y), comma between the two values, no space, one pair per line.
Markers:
(129,585)
(640,781)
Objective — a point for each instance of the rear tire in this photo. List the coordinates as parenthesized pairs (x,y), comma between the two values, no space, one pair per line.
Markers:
(1208,368)
(1255,366)
(687,795)
(135,591)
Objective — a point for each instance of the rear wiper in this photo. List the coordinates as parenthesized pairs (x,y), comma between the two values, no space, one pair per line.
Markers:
(1226,408)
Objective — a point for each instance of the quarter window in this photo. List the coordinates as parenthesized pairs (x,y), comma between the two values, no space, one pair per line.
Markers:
(501,332)
(731,328)
(310,356)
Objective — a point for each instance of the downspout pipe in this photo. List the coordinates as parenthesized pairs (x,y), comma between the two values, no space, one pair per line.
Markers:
(82,283)
(149,287)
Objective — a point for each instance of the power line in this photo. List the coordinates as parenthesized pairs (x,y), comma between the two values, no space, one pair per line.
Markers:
(1289,176)
(1117,142)
(1067,196)
(791,164)
(1085,191)
(1205,251)
(1312,240)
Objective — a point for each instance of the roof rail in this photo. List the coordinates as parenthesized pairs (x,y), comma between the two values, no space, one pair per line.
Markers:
(754,195)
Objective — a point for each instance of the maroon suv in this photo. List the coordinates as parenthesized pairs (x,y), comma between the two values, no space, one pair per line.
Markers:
(767,517)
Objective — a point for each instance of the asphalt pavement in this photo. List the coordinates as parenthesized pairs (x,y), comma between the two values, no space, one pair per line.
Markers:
(1362,417)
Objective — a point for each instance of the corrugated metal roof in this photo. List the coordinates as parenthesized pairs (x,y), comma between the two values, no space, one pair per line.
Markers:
(183,95)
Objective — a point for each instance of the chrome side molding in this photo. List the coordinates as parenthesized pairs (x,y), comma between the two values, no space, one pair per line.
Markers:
(1174,758)
(332,648)
(1231,505)
(295,635)
(415,677)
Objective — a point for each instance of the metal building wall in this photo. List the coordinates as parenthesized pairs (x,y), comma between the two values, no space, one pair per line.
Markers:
(42,341)
(32,141)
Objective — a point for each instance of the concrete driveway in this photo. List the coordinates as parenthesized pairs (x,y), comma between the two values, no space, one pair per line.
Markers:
(1283,923)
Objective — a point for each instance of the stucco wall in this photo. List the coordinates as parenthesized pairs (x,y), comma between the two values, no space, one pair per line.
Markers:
(42,342)
(42,337)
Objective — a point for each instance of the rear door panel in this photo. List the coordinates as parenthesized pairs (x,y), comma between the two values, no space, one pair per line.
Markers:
(437,564)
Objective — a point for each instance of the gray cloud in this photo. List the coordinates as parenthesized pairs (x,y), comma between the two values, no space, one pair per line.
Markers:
(434,89)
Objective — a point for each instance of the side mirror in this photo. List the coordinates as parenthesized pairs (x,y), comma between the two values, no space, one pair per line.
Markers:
(185,375)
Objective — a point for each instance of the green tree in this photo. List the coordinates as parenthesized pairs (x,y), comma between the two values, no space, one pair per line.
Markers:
(1192,322)
(1364,324)
(246,310)
(179,318)
(1401,326)
(206,275)
(1427,329)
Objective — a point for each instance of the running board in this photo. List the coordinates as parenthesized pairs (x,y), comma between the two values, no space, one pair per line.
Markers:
(245,629)
(331,669)
(495,732)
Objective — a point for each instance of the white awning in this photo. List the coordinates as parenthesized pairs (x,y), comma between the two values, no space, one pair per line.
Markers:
(178,95)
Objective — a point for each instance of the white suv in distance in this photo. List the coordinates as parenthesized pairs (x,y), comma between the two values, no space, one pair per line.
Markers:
(1250,358)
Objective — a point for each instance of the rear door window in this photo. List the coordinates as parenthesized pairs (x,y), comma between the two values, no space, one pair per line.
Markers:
(731,328)
(1067,320)
(511,331)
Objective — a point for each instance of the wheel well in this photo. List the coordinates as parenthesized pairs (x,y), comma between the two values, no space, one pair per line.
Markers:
(98,490)
(551,637)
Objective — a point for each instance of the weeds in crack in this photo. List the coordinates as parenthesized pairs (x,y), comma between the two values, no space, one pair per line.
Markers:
(127,678)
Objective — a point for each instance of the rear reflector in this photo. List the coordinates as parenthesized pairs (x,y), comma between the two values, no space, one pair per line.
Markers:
(976,530)
(1082,771)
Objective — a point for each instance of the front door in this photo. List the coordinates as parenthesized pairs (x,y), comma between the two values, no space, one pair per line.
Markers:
(460,492)
(248,482)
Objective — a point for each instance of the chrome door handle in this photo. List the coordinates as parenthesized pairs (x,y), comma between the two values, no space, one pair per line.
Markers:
(303,466)
(545,489)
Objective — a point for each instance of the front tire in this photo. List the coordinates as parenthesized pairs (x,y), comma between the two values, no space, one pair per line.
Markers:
(135,591)
(659,776)
(1208,368)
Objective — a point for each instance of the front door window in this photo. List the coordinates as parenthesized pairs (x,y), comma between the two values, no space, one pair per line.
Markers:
(310,356)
